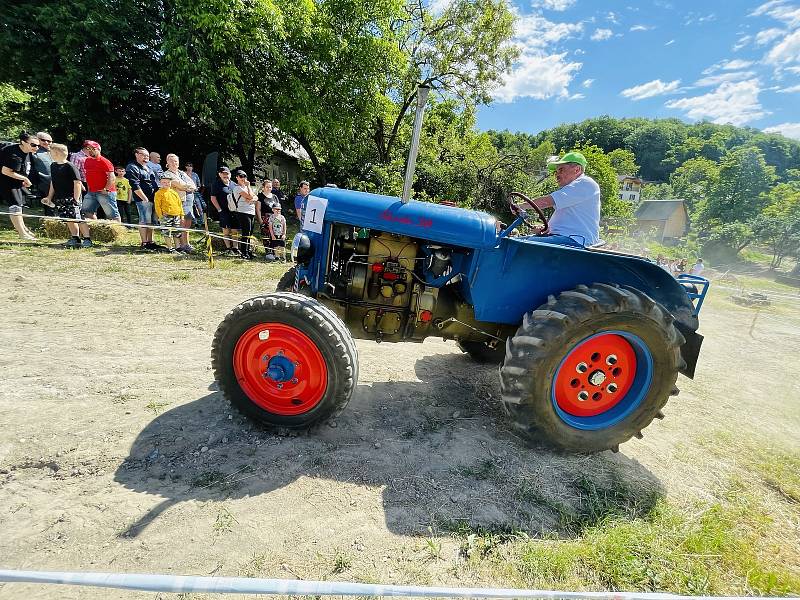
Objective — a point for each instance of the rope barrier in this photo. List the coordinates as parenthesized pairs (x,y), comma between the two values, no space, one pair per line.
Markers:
(205,232)
(245,585)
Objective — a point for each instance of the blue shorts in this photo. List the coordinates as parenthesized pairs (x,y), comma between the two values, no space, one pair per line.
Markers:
(188,206)
(108,200)
(145,210)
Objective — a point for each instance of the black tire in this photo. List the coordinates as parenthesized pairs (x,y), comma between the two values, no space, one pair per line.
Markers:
(287,283)
(480,352)
(319,324)
(548,335)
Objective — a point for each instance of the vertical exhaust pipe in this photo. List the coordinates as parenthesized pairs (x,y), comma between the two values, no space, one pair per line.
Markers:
(422,98)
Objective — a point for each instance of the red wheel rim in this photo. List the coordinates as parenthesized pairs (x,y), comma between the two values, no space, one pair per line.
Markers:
(269,348)
(595,375)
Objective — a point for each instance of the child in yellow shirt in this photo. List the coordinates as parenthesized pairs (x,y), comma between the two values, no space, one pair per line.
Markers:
(169,210)
(124,194)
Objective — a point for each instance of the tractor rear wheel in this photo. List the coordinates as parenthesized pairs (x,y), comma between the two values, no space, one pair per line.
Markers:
(483,353)
(285,359)
(591,369)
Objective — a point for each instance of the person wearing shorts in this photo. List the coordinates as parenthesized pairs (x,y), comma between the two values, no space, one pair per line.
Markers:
(64,196)
(221,194)
(276,226)
(143,186)
(15,166)
(101,183)
(169,210)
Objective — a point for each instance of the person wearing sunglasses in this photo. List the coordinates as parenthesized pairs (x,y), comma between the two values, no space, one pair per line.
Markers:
(41,161)
(16,167)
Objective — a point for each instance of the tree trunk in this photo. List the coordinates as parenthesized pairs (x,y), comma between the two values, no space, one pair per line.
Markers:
(319,168)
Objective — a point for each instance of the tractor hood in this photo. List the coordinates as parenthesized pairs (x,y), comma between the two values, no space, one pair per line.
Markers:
(434,222)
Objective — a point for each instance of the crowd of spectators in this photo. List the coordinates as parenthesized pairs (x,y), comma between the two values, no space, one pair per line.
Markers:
(678,266)
(85,185)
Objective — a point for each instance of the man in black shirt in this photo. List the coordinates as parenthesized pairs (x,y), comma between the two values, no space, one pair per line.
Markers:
(64,196)
(144,186)
(15,161)
(220,192)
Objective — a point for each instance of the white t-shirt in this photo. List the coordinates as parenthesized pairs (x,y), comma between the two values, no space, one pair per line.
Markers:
(577,211)
(242,205)
(697,268)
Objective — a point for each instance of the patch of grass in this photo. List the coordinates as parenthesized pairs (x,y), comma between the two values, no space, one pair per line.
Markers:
(180,276)
(209,479)
(341,562)
(156,407)
(254,567)
(224,521)
(481,471)
(723,548)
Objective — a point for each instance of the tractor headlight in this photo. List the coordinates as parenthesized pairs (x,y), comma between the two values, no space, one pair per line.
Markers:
(301,248)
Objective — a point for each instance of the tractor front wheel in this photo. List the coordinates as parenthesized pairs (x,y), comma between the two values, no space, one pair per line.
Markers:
(285,359)
(591,369)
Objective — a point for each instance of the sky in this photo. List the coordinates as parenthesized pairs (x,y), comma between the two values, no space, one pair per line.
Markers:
(725,61)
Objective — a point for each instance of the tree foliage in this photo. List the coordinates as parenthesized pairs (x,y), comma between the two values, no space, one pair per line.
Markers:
(778,226)
(744,177)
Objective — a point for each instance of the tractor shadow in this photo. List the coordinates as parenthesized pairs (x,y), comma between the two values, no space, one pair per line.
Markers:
(440,448)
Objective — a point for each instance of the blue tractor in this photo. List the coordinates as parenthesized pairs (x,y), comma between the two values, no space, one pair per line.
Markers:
(589,341)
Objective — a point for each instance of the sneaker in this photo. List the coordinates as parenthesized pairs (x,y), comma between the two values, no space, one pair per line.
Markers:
(86,243)
(151,246)
(188,248)
(73,243)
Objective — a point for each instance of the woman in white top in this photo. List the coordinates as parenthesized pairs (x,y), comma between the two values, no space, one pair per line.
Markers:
(245,200)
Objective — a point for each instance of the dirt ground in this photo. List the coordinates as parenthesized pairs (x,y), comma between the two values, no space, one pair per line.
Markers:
(118,454)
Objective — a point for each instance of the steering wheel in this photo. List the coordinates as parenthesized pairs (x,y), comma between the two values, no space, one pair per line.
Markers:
(517,211)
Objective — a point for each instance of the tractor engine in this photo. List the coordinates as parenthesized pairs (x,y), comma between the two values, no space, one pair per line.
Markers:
(377,278)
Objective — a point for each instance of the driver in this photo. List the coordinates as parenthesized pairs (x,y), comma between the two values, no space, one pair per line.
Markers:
(577,202)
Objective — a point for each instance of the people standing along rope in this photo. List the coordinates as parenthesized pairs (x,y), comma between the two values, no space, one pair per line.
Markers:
(64,197)
(245,209)
(15,162)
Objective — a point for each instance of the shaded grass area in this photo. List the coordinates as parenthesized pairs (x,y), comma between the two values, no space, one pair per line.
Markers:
(729,547)
(619,536)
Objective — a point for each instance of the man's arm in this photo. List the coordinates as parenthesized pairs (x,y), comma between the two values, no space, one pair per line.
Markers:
(132,175)
(111,182)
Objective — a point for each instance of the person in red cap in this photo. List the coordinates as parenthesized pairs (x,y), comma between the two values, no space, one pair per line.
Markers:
(101,183)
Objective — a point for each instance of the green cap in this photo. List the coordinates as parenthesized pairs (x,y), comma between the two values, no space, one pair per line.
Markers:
(569,157)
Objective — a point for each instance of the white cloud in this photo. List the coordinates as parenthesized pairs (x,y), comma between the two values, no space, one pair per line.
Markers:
(713,80)
(794,69)
(650,89)
(785,51)
(534,31)
(780,11)
(728,65)
(669,43)
(735,103)
(577,96)
(742,42)
(790,130)
(587,83)
(641,28)
(767,35)
(558,5)
(790,90)
(612,17)
(601,34)
(539,76)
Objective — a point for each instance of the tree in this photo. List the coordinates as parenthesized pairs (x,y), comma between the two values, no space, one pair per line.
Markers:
(778,226)
(727,240)
(12,106)
(657,191)
(463,53)
(651,142)
(693,181)
(623,162)
(737,196)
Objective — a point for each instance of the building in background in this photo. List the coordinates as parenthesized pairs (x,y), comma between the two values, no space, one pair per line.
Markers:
(630,188)
(666,219)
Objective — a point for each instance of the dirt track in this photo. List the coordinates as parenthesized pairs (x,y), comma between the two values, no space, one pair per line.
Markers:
(117,453)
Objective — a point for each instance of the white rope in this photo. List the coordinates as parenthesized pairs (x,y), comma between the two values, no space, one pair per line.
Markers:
(244,585)
(137,226)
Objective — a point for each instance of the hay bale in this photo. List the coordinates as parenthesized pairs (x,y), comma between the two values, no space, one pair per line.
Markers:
(100,230)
